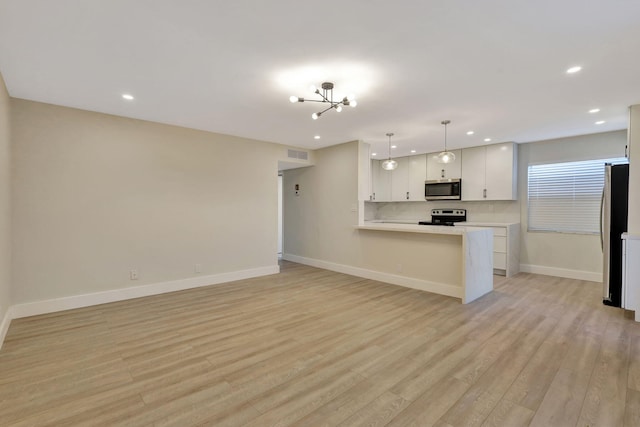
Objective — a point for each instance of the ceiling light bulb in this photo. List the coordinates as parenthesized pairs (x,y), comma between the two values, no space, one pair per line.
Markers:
(389,165)
(394,146)
(413,151)
(446,157)
(594,110)
(600,122)
(293,99)
(339,108)
(487,140)
(353,103)
(573,70)
(316,137)
(470,132)
(127,96)
(315,116)
(374,154)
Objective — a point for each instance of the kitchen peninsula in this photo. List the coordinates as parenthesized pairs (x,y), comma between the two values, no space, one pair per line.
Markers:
(453,261)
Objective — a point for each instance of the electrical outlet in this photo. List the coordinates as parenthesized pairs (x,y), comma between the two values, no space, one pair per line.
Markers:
(133,275)
(197,268)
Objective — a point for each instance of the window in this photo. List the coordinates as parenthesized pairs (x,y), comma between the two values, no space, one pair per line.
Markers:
(565,197)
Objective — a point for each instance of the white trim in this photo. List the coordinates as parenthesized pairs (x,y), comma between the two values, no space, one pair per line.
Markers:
(407,282)
(562,272)
(4,326)
(78,301)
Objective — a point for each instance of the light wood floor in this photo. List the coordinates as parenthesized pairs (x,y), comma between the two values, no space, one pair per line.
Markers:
(310,347)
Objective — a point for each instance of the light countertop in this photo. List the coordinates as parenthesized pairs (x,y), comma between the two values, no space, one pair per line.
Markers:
(485,224)
(416,228)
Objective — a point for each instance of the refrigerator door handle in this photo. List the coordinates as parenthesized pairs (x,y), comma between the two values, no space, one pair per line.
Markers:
(601,219)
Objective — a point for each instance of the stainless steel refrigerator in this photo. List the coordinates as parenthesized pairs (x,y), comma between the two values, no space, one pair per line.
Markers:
(613,223)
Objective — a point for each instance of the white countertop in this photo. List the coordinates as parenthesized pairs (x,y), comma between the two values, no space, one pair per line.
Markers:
(416,228)
(485,224)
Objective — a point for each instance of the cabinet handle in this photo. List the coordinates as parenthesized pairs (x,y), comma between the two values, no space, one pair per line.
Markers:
(442,173)
(407,195)
(484,193)
(374,196)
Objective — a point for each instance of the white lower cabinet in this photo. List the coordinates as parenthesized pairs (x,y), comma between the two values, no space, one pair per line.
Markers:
(506,246)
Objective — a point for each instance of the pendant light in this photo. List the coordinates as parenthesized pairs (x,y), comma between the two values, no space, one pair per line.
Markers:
(389,164)
(446,156)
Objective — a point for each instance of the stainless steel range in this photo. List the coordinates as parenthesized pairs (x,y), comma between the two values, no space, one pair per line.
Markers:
(446,217)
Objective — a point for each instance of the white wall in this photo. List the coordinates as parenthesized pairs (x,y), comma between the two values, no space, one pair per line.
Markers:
(5,207)
(97,195)
(572,255)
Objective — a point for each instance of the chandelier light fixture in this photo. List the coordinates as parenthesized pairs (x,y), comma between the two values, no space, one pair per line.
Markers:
(327,97)
(389,164)
(446,156)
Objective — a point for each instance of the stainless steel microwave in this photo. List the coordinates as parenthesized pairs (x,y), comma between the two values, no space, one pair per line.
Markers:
(443,189)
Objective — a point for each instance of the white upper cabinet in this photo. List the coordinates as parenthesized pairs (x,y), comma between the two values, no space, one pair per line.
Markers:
(437,170)
(381,185)
(417,176)
(400,180)
(473,173)
(490,172)
(405,183)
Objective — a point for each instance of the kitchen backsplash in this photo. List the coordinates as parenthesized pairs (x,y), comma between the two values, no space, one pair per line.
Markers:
(497,211)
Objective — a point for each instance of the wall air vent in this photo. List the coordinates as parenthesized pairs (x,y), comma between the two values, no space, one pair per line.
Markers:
(295,154)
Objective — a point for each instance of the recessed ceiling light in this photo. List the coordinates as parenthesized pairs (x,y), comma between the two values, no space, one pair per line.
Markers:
(127,96)
(470,132)
(574,69)
(394,146)
(316,137)
(594,110)
(374,154)
(413,151)
(487,139)
(599,122)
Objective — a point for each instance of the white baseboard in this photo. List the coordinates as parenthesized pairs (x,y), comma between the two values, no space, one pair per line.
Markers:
(4,326)
(561,272)
(407,282)
(86,300)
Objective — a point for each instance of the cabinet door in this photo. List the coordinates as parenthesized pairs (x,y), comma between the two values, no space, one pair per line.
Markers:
(437,170)
(500,168)
(381,182)
(400,180)
(473,173)
(417,176)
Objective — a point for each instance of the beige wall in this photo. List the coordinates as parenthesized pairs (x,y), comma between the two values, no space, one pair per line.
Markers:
(97,195)
(562,251)
(5,202)
(318,223)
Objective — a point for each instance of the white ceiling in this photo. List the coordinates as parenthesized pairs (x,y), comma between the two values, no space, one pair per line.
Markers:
(494,66)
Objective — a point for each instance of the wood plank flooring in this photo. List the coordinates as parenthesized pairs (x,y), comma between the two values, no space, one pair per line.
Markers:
(310,347)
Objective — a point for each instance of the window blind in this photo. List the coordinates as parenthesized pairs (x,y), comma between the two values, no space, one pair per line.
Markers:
(565,197)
